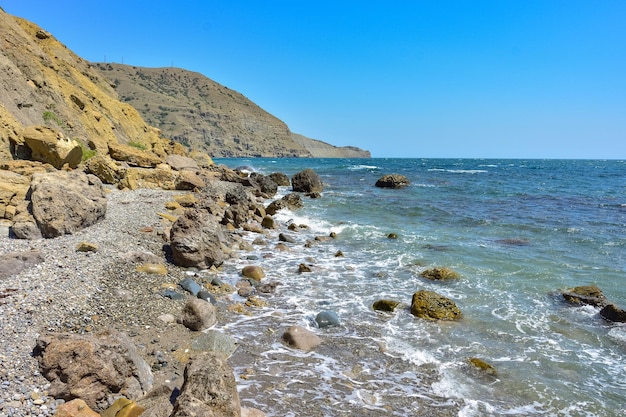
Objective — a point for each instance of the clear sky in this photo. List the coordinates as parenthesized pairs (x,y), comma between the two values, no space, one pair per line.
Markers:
(440,78)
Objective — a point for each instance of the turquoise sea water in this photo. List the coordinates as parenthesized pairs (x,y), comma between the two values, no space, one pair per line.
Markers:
(517,231)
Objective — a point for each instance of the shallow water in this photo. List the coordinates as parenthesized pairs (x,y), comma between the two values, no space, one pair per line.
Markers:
(517,231)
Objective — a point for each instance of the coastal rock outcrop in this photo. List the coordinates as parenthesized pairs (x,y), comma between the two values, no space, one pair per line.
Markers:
(65,202)
(196,240)
(209,388)
(291,201)
(307,181)
(585,294)
(92,368)
(392,181)
(432,306)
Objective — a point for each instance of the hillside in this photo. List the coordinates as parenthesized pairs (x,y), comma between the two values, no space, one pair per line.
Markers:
(43,83)
(324,150)
(203,114)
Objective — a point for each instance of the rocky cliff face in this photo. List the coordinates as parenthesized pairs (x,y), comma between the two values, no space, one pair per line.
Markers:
(44,83)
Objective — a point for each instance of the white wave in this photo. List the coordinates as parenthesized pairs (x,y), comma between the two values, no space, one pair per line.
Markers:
(459,171)
(360,167)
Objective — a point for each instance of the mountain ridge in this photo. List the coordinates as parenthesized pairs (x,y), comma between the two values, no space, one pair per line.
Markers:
(199,112)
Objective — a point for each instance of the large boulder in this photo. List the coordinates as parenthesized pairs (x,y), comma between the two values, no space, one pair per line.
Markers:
(307,181)
(179,162)
(265,185)
(280,178)
(65,202)
(133,155)
(196,240)
(432,306)
(209,389)
(92,368)
(392,181)
(50,146)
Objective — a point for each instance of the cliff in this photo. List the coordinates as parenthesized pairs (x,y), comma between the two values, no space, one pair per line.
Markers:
(43,83)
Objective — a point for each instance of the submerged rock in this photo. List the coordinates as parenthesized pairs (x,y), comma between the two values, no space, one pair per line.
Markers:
(440,274)
(586,294)
(613,313)
(385,305)
(327,318)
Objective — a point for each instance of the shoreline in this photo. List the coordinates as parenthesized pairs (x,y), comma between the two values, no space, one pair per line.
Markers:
(88,292)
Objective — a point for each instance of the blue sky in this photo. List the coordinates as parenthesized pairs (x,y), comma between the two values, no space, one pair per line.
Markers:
(492,79)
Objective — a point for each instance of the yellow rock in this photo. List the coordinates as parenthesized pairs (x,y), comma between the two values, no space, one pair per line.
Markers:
(168,217)
(75,408)
(186,200)
(159,269)
(123,408)
(86,247)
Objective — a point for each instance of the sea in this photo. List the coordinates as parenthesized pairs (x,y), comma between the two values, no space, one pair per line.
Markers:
(517,231)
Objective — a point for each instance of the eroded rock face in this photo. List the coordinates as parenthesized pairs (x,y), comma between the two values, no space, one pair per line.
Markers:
(307,181)
(432,306)
(196,240)
(49,146)
(92,368)
(392,181)
(209,389)
(65,202)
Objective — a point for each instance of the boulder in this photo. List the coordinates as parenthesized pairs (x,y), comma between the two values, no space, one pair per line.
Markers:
(307,181)
(196,240)
(613,313)
(65,202)
(198,315)
(392,181)
(50,146)
(92,368)
(254,272)
(265,185)
(482,366)
(133,156)
(105,168)
(432,306)
(440,274)
(280,179)
(189,179)
(75,408)
(214,341)
(385,305)
(179,162)
(209,389)
(268,222)
(327,318)
(300,338)
(13,263)
(585,294)
(291,201)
